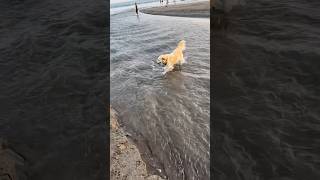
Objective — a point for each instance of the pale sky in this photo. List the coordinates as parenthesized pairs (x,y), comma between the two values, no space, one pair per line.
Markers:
(118,1)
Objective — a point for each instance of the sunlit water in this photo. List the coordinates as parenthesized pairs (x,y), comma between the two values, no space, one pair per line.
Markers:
(168,116)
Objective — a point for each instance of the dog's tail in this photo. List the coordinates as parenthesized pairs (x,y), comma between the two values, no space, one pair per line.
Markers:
(182,45)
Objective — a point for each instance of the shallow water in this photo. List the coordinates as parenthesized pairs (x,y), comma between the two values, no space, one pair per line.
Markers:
(266,88)
(168,116)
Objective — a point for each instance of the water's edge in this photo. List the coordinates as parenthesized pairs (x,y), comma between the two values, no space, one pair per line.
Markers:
(126,158)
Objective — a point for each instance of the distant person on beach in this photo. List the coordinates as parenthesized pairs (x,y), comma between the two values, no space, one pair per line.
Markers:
(136,8)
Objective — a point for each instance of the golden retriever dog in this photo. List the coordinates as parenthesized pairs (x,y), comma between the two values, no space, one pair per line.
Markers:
(176,57)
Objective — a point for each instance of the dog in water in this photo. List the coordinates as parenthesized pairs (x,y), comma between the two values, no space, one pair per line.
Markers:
(174,58)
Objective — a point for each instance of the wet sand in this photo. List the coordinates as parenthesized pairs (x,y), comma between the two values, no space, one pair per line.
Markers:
(197,9)
(126,161)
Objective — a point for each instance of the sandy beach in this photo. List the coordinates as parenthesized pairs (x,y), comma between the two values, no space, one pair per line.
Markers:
(126,161)
(197,9)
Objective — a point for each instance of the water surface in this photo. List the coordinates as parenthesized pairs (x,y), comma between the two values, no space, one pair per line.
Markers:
(52,78)
(168,116)
(266,92)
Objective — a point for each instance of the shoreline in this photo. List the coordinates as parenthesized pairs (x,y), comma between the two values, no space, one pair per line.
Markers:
(196,10)
(125,158)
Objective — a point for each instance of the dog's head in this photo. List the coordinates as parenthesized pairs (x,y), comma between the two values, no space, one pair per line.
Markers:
(163,59)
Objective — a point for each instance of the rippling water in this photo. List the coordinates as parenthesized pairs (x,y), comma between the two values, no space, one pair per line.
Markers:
(52,76)
(266,89)
(168,116)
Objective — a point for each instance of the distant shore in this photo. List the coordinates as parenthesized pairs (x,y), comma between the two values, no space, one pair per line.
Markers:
(197,9)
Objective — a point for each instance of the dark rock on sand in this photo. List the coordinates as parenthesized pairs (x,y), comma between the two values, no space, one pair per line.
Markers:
(11,163)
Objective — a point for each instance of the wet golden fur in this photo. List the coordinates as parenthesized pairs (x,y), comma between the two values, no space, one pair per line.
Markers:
(176,57)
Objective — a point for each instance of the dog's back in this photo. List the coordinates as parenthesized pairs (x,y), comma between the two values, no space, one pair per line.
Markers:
(178,52)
